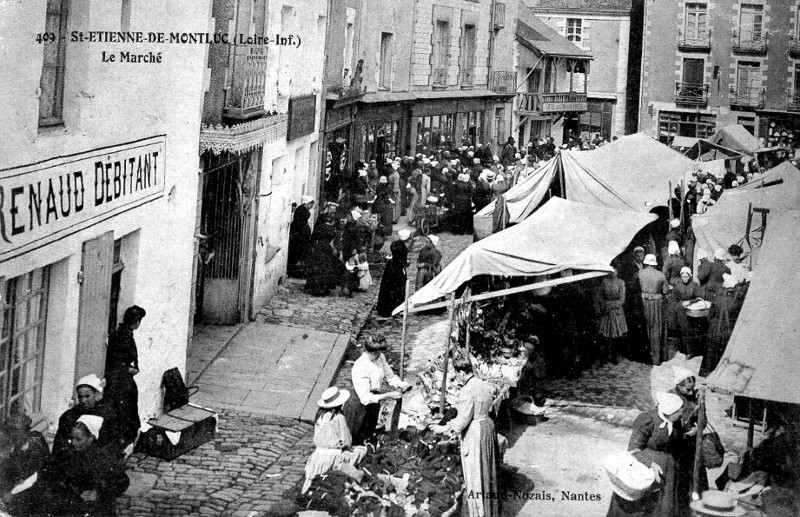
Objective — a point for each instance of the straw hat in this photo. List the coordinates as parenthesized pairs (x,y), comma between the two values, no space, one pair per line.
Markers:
(630,479)
(333,397)
(717,504)
(650,260)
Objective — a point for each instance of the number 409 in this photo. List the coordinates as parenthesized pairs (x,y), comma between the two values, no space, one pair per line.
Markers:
(45,36)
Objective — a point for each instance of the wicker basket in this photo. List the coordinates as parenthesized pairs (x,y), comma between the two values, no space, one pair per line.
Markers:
(698,313)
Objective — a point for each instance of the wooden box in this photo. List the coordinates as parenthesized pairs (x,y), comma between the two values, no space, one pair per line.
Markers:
(196,425)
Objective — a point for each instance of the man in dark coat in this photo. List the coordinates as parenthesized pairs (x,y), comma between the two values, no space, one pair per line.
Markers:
(509,150)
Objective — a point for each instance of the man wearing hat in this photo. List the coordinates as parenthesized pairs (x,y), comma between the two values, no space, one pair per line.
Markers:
(88,401)
(654,288)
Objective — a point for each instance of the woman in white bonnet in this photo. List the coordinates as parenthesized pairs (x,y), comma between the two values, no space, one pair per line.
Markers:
(653,440)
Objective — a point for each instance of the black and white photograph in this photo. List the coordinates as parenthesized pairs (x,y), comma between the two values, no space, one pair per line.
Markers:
(399,258)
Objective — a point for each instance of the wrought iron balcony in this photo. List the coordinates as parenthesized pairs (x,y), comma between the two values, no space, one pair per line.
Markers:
(750,42)
(693,94)
(551,102)
(793,102)
(245,95)
(747,97)
(699,41)
(503,82)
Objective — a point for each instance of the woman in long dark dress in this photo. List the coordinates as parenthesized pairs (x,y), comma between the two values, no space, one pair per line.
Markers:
(462,205)
(654,442)
(393,282)
(383,206)
(612,315)
(122,364)
(324,268)
(299,240)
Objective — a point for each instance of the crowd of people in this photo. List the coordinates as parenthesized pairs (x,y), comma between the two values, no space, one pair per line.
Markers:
(85,471)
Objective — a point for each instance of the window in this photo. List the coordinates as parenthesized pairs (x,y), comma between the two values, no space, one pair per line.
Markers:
(441,52)
(22,341)
(379,141)
(386,60)
(696,20)
(696,125)
(468,55)
(575,29)
(597,118)
(499,126)
(748,77)
(471,127)
(52,82)
(347,56)
(751,22)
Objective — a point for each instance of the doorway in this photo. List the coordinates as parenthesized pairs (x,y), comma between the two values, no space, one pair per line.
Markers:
(223,273)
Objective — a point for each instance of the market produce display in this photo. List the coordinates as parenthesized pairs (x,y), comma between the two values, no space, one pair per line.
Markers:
(417,474)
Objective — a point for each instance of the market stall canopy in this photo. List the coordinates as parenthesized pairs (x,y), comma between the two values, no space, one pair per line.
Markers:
(560,235)
(763,356)
(684,141)
(631,173)
(520,200)
(725,223)
(736,137)
(785,172)
(704,151)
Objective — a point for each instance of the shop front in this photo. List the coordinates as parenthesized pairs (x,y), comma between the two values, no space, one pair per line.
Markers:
(380,132)
(82,238)
(447,124)
(337,142)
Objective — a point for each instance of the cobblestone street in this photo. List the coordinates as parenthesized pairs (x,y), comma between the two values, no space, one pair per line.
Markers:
(255,464)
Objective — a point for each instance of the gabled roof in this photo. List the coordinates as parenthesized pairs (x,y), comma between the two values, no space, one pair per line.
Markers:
(536,34)
(581,6)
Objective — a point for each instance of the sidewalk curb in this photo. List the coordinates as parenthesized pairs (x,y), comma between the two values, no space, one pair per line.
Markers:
(612,415)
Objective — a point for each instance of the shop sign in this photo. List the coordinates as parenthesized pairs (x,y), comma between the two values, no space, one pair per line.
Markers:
(43,202)
(302,116)
(557,107)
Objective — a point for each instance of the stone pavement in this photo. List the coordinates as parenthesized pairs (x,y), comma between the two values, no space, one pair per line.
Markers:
(273,370)
(255,464)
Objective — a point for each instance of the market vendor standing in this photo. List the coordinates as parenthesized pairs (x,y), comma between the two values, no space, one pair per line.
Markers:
(611,301)
(479,448)
(369,372)
(654,288)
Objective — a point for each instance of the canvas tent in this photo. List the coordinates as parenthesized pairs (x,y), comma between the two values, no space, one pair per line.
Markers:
(736,137)
(632,173)
(782,173)
(726,222)
(762,356)
(561,235)
(520,200)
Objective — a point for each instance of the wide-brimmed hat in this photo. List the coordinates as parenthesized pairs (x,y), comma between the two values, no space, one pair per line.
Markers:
(333,397)
(650,260)
(716,503)
(630,479)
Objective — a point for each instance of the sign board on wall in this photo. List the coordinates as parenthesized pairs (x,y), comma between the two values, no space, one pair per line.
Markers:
(302,116)
(557,107)
(46,201)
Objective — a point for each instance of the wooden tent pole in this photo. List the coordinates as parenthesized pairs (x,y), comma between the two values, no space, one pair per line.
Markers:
(669,202)
(398,405)
(468,323)
(698,443)
(451,314)
(403,335)
(751,426)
